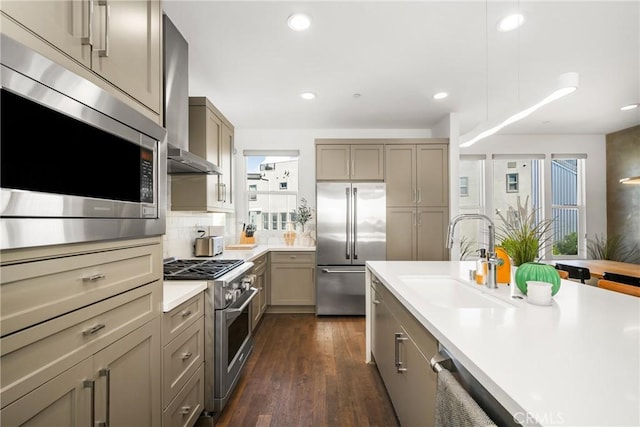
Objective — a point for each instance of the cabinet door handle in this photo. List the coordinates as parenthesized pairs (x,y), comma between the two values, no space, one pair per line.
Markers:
(419,194)
(375,301)
(94,277)
(106,372)
(104,53)
(92,330)
(186,355)
(89,39)
(186,313)
(92,385)
(398,337)
(185,410)
(220,192)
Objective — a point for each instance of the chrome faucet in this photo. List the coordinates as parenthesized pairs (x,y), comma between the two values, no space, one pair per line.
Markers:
(492,260)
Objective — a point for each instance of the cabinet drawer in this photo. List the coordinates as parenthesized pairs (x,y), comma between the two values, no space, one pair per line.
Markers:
(34,292)
(188,404)
(293,257)
(37,354)
(259,264)
(179,319)
(181,358)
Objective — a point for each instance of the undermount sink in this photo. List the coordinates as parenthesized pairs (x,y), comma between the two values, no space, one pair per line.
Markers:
(448,292)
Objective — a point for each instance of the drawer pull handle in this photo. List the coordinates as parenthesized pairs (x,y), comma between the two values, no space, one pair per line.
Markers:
(94,277)
(185,410)
(92,330)
(186,313)
(375,301)
(186,355)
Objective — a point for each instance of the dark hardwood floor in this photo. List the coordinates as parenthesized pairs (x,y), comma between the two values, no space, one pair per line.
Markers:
(309,371)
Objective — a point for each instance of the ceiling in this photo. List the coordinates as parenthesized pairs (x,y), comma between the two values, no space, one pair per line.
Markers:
(396,55)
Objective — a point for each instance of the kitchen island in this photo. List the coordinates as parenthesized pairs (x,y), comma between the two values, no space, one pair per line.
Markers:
(574,363)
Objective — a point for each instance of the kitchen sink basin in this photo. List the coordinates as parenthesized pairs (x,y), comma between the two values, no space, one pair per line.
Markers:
(448,292)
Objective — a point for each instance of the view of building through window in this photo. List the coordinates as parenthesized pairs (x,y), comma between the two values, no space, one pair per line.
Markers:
(272,189)
(518,181)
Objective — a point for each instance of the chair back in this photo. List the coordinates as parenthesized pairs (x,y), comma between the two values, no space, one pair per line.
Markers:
(615,277)
(619,287)
(580,273)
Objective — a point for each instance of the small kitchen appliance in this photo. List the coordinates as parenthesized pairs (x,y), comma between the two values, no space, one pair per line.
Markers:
(209,246)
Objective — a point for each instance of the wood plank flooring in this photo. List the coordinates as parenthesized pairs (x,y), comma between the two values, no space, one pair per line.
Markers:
(309,371)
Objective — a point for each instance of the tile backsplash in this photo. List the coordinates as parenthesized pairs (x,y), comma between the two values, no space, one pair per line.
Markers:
(182,229)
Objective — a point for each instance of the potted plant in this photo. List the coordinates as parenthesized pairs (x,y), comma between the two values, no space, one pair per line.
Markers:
(524,238)
(302,215)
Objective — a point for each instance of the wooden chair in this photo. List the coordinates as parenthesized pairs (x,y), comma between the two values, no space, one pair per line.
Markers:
(563,274)
(619,287)
(621,278)
(580,273)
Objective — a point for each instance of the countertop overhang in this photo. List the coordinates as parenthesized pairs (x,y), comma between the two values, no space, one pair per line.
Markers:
(574,363)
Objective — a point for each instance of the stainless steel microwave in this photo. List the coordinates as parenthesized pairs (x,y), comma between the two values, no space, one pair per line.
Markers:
(77,164)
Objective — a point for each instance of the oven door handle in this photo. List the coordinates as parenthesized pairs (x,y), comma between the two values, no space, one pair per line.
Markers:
(229,311)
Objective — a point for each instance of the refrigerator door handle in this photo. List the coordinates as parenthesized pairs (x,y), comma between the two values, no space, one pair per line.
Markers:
(348,225)
(326,270)
(355,223)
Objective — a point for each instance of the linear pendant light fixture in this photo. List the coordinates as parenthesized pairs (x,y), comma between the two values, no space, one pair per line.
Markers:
(567,83)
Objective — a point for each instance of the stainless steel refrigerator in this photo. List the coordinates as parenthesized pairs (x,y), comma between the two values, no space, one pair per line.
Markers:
(351,229)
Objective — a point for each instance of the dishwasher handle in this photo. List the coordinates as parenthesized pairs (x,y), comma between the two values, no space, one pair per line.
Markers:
(326,270)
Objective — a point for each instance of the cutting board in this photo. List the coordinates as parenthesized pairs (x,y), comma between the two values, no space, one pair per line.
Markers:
(241,246)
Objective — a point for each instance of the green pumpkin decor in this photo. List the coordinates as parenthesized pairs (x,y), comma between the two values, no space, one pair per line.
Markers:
(539,272)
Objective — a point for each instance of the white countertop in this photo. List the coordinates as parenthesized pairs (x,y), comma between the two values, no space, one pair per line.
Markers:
(574,363)
(175,292)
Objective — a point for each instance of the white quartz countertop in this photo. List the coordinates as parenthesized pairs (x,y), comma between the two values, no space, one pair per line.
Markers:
(175,292)
(574,363)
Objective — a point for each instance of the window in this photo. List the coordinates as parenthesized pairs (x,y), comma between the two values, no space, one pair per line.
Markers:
(253,188)
(566,205)
(512,183)
(472,234)
(464,186)
(272,187)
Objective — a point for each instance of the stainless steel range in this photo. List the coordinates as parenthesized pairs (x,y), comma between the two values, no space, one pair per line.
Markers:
(228,340)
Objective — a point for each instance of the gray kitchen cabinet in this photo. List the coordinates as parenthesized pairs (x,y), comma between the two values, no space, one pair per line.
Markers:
(417,234)
(211,137)
(96,330)
(259,302)
(293,280)
(417,183)
(183,363)
(402,349)
(93,39)
(344,160)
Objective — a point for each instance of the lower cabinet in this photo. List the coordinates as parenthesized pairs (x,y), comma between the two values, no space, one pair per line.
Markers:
(293,279)
(259,302)
(119,386)
(402,349)
(183,363)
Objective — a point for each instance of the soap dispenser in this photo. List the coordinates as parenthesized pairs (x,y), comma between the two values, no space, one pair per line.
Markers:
(481,267)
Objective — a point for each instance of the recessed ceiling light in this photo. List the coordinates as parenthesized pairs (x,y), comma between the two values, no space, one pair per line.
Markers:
(308,95)
(510,22)
(440,95)
(629,107)
(299,22)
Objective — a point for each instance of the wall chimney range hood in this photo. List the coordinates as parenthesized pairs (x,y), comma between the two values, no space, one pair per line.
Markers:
(180,161)
(176,106)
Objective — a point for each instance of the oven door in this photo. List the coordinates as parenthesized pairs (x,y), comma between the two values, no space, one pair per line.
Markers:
(233,344)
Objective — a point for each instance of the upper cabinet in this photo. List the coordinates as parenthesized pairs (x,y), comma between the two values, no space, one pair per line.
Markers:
(115,44)
(417,174)
(338,161)
(210,137)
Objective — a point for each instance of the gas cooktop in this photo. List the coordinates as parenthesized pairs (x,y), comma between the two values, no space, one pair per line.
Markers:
(197,269)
